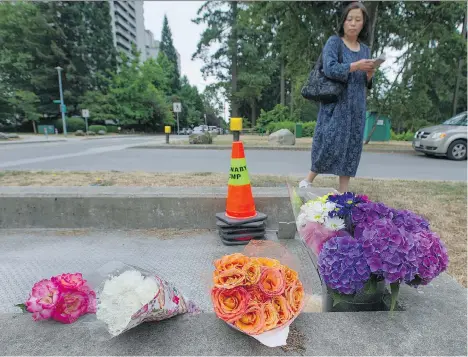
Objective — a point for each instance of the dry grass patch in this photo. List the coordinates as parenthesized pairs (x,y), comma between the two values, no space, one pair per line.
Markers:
(444,204)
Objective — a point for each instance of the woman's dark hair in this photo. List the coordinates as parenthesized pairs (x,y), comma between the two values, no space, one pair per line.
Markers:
(365,28)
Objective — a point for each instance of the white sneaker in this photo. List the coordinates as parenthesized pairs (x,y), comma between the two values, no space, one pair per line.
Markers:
(304,184)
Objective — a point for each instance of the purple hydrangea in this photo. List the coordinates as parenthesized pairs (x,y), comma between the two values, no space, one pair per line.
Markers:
(368,212)
(342,265)
(410,221)
(345,203)
(431,255)
(390,251)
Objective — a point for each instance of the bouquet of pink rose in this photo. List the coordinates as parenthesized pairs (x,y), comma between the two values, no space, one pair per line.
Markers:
(63,298)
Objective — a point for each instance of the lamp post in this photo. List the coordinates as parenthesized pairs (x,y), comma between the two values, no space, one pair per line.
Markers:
(62,104)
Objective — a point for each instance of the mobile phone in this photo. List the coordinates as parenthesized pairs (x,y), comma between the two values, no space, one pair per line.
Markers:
(379,60)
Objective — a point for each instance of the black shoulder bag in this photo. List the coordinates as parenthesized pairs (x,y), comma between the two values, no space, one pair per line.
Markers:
(319,87)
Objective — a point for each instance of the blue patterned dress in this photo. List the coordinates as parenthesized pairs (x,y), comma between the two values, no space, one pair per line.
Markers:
(337,144)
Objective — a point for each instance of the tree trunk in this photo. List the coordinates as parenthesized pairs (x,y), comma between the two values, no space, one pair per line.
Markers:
(34,126)
(372,130)
(282,84)
(372,9)
(233,49)
(253,108)
(459,74)
(291,98)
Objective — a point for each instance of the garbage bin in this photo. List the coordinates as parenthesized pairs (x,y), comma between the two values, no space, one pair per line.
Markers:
(298,130)
(50,129)
(382,127)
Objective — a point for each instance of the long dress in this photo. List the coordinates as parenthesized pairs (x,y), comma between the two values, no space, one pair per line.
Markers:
(338,138)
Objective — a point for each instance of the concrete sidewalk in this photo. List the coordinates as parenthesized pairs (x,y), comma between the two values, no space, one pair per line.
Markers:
(433,323)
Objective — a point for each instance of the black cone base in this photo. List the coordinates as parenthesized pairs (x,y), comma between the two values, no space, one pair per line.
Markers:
(240,231)
(260,217)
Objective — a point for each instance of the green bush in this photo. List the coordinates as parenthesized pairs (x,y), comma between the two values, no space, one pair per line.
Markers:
(404,136)
(279,113)
(112,129)
(73,124)
(308,129)
(96,128)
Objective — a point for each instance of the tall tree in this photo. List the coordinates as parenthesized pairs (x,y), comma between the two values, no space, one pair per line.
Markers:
(28,55)
(256,61)
(37,37)
(192,104)
(167,47)
(222,31)
(86,42)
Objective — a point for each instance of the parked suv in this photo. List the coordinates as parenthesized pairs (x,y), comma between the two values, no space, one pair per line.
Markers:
(447,139)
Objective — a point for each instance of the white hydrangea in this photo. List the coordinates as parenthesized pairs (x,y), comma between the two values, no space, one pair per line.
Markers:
(122,296)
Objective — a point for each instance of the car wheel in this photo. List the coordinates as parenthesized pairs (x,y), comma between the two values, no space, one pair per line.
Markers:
(457,150)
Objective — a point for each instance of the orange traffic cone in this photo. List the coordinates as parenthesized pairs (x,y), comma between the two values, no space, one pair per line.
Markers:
(241,222)
(240,203)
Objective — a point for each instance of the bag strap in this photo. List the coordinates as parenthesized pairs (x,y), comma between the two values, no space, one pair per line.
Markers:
(340,52)
(319,63)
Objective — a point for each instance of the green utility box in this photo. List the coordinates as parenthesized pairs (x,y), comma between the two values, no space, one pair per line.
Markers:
(298,130)
(382,130)
(50,129)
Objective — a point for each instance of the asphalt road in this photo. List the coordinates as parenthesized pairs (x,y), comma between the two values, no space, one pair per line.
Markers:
(116,154)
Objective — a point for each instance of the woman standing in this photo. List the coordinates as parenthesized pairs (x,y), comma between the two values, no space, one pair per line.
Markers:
(338,137)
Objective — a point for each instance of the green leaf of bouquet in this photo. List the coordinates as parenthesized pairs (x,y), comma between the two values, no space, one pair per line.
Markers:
(339,298)
(395,290)
(22,307)
(371,285)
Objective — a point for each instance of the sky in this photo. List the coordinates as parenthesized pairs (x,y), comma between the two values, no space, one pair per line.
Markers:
(185,34)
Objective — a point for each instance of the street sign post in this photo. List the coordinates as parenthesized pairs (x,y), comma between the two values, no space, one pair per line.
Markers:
(63,108)
(177,108)
(85,114)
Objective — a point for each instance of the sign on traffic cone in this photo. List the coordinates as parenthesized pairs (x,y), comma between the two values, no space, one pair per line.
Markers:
(236,226)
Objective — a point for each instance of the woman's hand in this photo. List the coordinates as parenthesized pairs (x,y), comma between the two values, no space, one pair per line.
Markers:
(364,65)
(370,74)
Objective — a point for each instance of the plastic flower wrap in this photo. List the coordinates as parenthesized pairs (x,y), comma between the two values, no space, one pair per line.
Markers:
(259,293)
(64,298)
(316,223)
(129,296)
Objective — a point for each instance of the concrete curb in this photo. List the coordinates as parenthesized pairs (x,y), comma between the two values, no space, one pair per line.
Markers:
(111,137)
(129,207)
(227,147)
(32,142)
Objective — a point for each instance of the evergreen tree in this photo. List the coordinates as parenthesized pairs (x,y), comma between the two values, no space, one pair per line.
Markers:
(167,47)
(222,30)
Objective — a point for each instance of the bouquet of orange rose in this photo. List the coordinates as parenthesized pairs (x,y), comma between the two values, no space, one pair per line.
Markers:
(257,295)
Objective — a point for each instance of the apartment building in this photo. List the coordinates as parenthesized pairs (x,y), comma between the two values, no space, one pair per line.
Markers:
(128,26)
(152,47)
